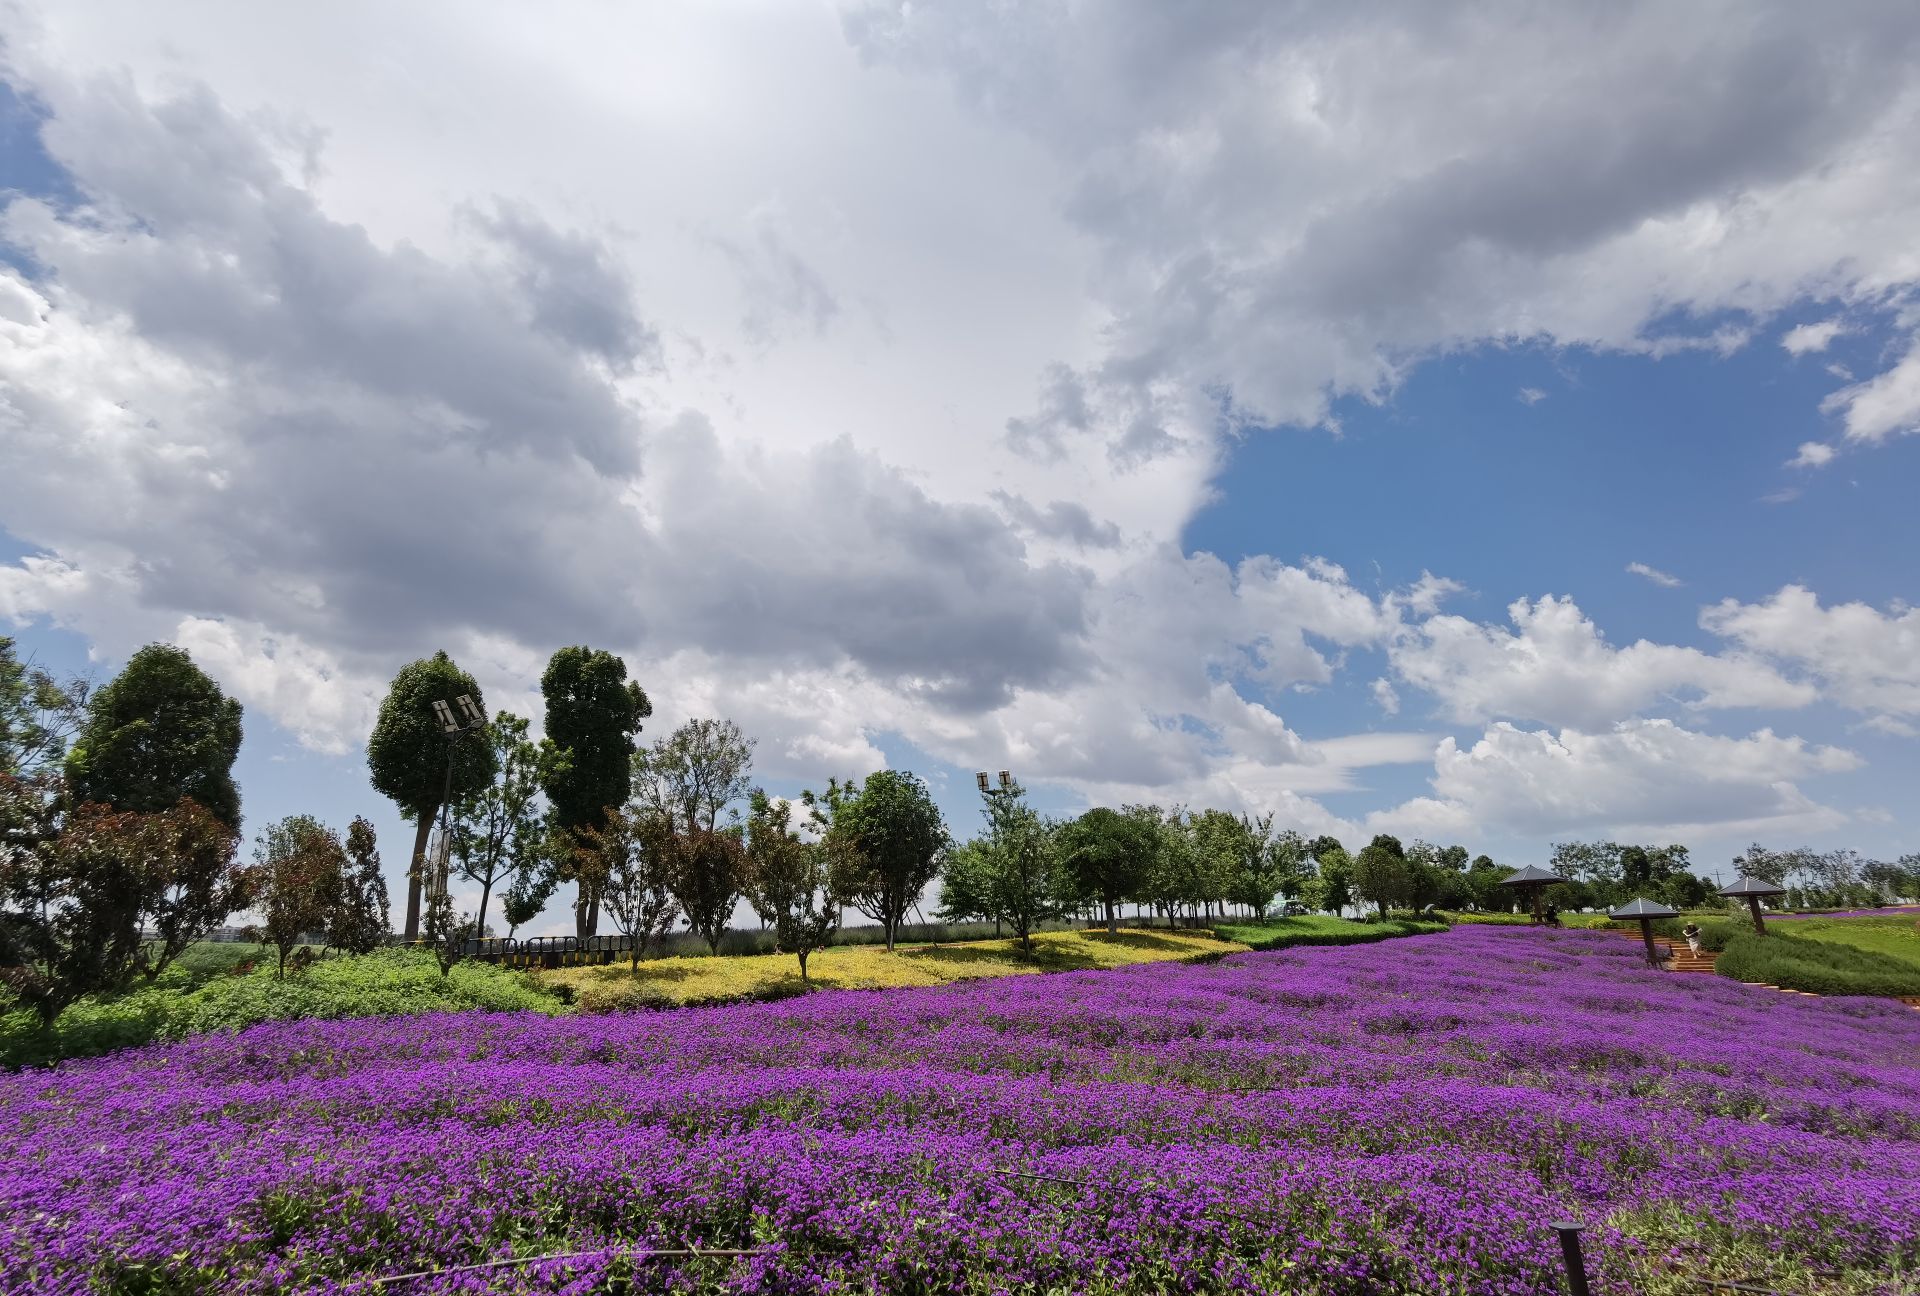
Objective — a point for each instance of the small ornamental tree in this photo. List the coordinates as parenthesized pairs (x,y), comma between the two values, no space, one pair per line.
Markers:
(360,922)
(527,895)
(1382,875)
(708,872)
(296,881)
(963,885)
(1264,863)
(159,733)
(407,756)
(1335,879)
(193,880)
(1106,857)
(792,888)
(499,832)
(1022,879)
(888,840)
(626,865)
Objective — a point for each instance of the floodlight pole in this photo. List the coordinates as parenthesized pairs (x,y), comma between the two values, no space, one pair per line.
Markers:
(453,728)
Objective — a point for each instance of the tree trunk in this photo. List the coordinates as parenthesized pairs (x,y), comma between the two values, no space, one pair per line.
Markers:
(480,919)
(415,872)
(1113,920)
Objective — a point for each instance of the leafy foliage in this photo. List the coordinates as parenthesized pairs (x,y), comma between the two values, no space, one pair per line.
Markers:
(161,732)
(296,881)
(359,922)
(627,865)
(793,881)
(593,714)
(884,843)
(498,831)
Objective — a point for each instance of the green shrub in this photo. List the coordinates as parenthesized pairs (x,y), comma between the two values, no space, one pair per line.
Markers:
(1714,932)
(386,983)
(1283,933)
(1821,967)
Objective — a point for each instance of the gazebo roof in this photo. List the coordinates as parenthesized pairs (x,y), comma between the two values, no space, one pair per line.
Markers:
(1643,908)
(1531,875)
(1748,886)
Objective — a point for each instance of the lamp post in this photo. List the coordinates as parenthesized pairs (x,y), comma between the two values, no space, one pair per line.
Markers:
(1006,784)
(453,727)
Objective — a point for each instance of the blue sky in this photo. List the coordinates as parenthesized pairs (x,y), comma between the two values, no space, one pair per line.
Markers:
(1166,415)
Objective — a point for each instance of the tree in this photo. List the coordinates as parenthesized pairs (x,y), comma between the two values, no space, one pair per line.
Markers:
(886,844)
(408,757)
(1382,876)
(792,880)
(188,877)
(593,714)
(1106,857)
(1266,863)
(707,872)
(498,830)
(38,714)
(526,895)
(964,885)
(1213,856)
(161,732)
(1454,859)
(627,866)
(360,921)
(80,900)
(1336,878)
(1020,864)
(296,881)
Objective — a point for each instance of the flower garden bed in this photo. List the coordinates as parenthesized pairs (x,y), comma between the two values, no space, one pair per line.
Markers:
(1387,1118)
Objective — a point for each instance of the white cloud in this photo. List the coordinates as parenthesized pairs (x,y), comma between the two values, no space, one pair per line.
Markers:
(1647,778)
(1812,454)
(1555,667)
(1385,697)
(1883,406)
(1530,396)
(1810,339)
(1654,574)
(1785,495)
(1865,659)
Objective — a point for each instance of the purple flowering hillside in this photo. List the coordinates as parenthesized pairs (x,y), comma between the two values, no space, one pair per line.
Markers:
(1398,1117)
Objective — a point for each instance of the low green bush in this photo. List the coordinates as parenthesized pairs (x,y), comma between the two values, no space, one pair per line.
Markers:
(1283,933)
(386,983)
(1821,967)
(1714,932)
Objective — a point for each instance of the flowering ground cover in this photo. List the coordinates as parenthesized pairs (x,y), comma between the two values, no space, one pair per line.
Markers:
(1406,1116)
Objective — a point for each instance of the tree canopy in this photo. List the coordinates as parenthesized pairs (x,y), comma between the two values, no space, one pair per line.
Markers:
(160,732)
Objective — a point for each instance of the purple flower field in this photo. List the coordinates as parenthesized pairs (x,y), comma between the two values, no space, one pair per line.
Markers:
(1398,1117)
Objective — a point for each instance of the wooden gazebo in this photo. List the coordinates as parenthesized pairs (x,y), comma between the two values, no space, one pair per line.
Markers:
(1645,911)
(1532,881)
(1751,890)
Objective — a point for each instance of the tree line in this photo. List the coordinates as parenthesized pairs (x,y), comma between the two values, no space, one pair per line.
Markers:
(120,835)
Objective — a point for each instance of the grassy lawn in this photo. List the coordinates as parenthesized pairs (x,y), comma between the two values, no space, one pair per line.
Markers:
(672,981)
(1897,936)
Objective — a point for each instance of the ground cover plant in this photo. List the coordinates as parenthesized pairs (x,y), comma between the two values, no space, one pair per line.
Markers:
(1854,957)
(670,981)
(1397,1117)
(206,996)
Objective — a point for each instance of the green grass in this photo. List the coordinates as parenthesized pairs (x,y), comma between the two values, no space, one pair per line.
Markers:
(1897,936)
(1522,919)
(1818,963)
(196,997)
(1319,929)
(669,982)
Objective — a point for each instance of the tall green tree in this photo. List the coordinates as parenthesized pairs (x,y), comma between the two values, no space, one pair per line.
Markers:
(1106,857)
(1266,863)
(498,830)
(593,715)
(964,885)
(884,844)
(1334,881)
(408,754)
(160,732)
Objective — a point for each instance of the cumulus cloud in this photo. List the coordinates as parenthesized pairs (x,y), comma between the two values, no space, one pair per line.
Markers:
(1865,659)
(1649,778)
(1812,454)
(1883,406)
(1655,575)
(1811,339)
(1556,667)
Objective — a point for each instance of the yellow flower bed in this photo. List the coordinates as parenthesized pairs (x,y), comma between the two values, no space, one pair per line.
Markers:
(660,982)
